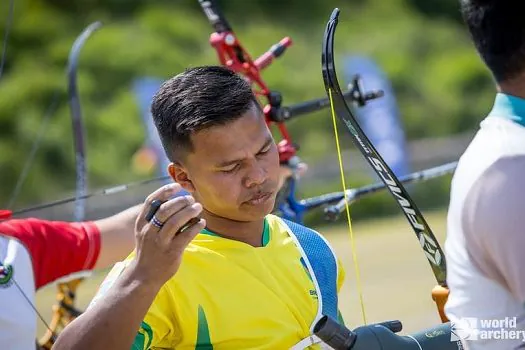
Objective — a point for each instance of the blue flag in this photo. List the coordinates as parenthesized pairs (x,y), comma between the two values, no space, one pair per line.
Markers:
(144,89)
(379,118)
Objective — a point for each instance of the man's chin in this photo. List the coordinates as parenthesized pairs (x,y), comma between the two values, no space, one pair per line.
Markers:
(246,212)
(259,211)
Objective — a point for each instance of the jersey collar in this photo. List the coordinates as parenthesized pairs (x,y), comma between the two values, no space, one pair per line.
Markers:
(265,233)
(509,107)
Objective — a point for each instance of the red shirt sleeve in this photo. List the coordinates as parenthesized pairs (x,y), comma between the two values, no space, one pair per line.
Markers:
(57,248)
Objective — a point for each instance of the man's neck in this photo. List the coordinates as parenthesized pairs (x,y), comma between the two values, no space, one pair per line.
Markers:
(249,232)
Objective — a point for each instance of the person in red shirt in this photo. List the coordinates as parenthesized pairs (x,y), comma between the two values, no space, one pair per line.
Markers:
(59,248)
(36,252)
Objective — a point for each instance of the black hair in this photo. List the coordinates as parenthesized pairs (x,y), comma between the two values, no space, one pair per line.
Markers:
(197,99)
(497,28)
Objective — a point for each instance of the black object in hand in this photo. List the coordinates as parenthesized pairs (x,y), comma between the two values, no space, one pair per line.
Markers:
(154,207)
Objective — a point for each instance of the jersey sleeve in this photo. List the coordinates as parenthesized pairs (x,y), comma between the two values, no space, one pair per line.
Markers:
(57,248)
(493,223)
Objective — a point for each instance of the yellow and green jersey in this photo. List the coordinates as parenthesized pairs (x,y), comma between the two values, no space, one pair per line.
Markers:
(230,295)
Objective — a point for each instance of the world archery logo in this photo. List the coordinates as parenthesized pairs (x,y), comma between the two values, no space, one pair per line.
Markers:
(471,328)
(6,275)
(464,329)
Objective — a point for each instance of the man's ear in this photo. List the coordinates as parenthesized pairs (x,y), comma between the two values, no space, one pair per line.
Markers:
(179,174)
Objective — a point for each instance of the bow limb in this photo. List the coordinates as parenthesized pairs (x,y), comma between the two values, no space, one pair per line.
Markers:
(340,109)
(8,25)
(76,119)
(64,311)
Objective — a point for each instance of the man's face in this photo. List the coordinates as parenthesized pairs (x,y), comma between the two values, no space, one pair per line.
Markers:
(234,169)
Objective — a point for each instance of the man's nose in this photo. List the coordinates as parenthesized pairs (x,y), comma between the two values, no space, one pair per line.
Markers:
(256,175)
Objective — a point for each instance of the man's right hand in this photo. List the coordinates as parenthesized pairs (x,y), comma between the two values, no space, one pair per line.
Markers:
(159,250)
(158,257)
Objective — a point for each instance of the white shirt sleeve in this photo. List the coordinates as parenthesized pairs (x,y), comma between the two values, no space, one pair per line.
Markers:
(494,224)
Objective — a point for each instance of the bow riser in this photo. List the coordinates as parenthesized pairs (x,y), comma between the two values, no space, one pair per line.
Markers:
(64,312)
(232,54)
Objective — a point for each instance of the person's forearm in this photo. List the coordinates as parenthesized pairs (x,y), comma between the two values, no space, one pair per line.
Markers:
(111,323)
(117,236)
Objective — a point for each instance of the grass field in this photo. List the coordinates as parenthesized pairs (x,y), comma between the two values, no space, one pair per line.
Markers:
(396,278)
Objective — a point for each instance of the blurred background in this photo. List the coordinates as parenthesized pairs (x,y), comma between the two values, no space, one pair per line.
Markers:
(439,85)
(418,51)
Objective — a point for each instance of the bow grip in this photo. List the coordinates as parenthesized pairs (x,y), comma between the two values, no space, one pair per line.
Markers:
(440,297)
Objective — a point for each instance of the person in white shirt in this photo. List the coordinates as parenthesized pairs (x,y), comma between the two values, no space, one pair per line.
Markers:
(485,245)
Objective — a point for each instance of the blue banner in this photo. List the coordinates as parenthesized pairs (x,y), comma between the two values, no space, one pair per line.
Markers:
(380,118)
(144,89)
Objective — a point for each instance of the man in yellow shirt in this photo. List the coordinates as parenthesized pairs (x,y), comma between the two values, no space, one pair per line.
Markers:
(238,277)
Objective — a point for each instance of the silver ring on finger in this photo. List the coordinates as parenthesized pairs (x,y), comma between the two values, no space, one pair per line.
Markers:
(156,222)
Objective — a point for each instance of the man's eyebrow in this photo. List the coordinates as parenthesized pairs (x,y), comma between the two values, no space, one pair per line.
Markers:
(269,140)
